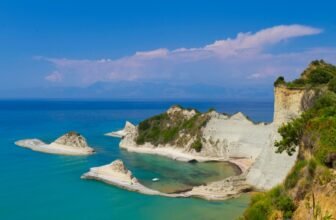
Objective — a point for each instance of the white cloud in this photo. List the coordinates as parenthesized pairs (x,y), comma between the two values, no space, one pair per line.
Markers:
(248,41)
(55,76)
(242,57)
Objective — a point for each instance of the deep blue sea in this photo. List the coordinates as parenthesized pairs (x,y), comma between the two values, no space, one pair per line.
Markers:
(35,186)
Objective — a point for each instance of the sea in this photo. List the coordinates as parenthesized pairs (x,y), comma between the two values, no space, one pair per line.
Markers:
(36,186)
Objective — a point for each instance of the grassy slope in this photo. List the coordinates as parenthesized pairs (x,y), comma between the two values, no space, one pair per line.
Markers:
(174,129)
(308,189)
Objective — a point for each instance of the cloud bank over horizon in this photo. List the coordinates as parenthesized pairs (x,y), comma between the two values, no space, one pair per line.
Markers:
(245,57)
(245,61)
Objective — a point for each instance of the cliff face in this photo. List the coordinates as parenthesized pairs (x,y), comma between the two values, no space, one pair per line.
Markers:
(271,168)
(290,103)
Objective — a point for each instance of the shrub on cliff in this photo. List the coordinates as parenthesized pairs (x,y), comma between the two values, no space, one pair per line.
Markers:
(263,205)
(332,85)
(197,145)
(279,81)
(319,76)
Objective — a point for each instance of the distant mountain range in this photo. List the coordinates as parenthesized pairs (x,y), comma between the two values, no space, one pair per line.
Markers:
(144,90)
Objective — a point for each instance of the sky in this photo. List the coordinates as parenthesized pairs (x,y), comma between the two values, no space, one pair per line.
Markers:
(159,49)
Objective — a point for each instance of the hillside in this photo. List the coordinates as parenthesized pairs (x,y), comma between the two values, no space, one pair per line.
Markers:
(310,188)
(177,126)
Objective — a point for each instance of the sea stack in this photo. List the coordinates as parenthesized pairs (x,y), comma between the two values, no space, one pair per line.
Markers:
(71,143)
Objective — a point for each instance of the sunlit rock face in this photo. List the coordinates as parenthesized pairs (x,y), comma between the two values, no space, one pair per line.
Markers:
(290,103)
(72,139)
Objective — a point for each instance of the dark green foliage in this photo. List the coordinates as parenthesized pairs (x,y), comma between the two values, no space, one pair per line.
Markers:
(319,76)
(279,81)
(332,85)
(150,130)
(197,145)
(291,134)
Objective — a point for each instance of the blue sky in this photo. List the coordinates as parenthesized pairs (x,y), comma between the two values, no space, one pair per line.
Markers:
(182,49)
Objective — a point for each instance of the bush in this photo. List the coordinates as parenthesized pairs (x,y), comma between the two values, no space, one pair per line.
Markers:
(291,134)
(332,85)
(279,81)
(264,204)
(197,145)
(319,76)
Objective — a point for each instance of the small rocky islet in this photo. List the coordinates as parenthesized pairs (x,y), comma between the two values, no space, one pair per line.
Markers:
(71,143)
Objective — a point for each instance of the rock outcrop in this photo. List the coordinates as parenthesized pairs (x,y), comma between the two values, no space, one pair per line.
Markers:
(129,128)
(72,139)
(70,143)
(289,103)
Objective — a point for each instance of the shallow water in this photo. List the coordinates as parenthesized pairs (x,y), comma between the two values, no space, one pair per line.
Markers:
(175,176)
(40,186)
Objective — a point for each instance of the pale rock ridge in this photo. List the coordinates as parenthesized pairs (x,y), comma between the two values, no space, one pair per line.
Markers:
(178,110)
(129,128)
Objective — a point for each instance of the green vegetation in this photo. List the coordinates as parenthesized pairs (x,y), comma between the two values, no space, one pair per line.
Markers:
(197,145)
(173,128)
(332,85)
(280,81)
(318,73)
(294,176)
(264,205)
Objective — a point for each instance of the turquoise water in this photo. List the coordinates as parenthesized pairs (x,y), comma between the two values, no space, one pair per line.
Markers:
(40,186)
